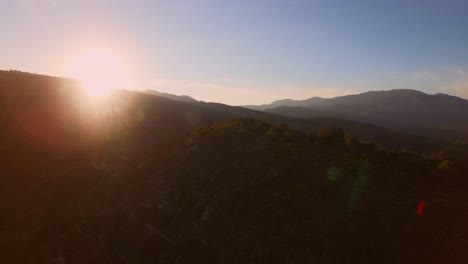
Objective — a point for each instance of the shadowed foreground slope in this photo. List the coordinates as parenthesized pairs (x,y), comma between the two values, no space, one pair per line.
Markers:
(240,191)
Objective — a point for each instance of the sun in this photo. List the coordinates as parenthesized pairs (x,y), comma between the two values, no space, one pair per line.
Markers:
(100,72)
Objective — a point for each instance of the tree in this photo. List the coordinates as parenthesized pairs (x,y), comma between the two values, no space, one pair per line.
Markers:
(331,135)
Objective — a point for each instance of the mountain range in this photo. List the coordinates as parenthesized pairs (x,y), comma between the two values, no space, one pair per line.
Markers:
(172,117)
(143,178)
(439,116)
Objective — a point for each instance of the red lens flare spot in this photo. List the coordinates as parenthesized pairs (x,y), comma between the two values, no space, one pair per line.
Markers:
(420,209)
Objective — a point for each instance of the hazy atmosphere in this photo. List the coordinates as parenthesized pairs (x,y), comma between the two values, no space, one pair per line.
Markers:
(233,132)
(247,52)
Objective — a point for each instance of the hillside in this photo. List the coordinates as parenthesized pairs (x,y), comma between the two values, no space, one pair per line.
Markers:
(236,191)
(297,112)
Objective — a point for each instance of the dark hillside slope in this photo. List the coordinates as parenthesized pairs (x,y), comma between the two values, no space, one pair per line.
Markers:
(393,139)
(54,114)
(297,112)
(380,136)
(240,191)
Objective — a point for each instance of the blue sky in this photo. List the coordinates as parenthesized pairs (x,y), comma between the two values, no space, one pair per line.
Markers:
(249,52)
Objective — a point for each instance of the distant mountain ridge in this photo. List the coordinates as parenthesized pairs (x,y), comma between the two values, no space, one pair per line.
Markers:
(437,115)
(314,101)
(181,98)
(287,102)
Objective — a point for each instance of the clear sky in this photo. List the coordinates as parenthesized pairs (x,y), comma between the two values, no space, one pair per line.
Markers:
(249,52)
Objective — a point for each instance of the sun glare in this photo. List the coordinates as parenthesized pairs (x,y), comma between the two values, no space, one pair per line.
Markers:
(100,72)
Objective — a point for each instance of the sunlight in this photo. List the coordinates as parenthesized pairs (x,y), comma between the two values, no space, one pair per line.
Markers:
(100,72)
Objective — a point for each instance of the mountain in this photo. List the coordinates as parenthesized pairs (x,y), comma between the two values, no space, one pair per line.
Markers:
(409,111)
(52,111)
(181,98)
(287,102)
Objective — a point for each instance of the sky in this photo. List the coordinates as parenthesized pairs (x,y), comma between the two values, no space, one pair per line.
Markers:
(249,51)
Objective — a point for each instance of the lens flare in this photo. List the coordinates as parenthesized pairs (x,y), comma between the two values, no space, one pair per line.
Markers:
(100,72)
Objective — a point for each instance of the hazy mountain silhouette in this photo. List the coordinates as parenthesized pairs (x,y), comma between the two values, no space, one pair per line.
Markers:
(287,102)
(182,98)
(49,110)
(411,111)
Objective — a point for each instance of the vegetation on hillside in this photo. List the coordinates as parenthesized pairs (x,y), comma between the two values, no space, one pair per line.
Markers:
(236,191)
